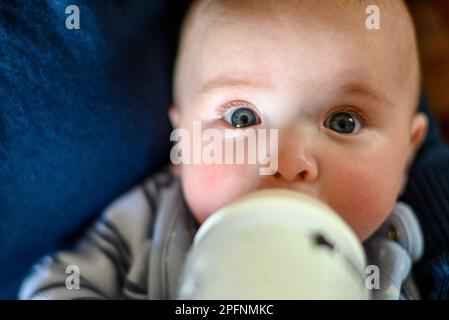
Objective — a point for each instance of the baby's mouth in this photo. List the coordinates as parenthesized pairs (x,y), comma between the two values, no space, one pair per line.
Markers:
(298,187)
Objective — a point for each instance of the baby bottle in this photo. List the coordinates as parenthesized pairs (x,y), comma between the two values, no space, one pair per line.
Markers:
(274,244)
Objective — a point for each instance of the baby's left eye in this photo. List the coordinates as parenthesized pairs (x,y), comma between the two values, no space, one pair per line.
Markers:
(343,122)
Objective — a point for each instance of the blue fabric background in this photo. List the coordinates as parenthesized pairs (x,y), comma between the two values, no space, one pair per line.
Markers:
(82,117)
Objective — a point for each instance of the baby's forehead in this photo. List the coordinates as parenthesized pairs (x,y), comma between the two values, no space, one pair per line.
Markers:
(207,13)
(234,20)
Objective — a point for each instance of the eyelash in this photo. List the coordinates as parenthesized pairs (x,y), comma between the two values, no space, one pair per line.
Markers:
(353,111)
(223,109)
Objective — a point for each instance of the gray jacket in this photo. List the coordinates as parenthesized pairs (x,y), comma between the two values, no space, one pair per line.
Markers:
(137,248)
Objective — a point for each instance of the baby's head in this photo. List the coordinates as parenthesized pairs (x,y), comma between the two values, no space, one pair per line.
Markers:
(343,98)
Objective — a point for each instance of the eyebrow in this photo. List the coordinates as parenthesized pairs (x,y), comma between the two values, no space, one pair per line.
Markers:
(366,91)
(225,81)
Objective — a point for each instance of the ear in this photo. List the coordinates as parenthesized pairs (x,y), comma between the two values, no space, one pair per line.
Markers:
(173,114)
(418,132)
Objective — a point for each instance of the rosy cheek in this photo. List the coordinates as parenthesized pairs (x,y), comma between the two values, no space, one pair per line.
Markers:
(210,187)
(363,195)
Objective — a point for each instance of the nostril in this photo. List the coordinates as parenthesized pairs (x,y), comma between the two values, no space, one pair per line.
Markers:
(277,175)
(320,240)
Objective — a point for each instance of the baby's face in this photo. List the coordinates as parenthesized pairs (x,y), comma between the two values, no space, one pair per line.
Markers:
(342,98)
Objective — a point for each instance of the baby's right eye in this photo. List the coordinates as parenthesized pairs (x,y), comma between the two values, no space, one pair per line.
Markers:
(242,118)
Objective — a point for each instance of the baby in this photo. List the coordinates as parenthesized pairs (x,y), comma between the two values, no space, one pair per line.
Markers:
(342,96)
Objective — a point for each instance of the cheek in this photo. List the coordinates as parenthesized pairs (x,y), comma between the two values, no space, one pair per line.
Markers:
(210,187)
(364,193)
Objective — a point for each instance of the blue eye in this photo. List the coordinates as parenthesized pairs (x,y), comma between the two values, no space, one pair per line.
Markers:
(343,122)
(241,118)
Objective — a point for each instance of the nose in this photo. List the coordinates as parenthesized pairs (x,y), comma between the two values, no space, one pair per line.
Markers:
(297,161)
(297,169)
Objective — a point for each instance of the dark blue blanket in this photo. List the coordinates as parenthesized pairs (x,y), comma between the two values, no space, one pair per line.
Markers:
(82,117)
